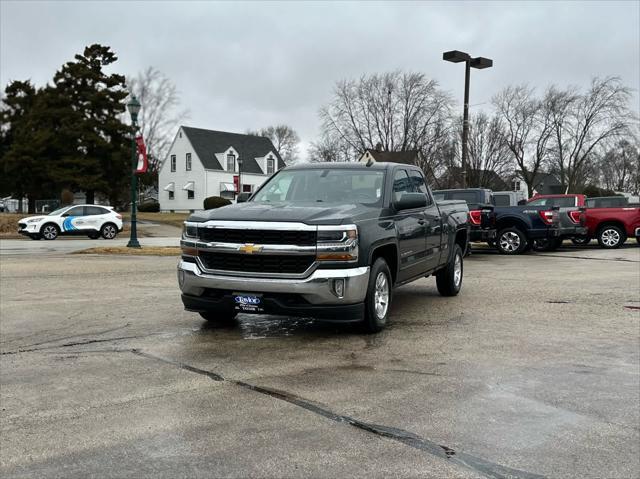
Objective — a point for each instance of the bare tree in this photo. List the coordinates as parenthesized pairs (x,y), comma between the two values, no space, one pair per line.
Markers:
(399,111)
(490,158)
(284,139)
(618,166)
(329,150)
(527,130)
(160,115)
(583,122)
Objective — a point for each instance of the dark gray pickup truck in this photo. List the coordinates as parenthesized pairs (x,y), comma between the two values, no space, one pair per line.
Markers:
(328,240)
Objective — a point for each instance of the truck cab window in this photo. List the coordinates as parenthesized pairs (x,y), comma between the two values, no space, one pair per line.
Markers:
(401,184)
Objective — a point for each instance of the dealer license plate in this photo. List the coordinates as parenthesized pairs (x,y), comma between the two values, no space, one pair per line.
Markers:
(248,303)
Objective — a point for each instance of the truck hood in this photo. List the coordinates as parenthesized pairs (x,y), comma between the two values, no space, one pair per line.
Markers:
(308,213)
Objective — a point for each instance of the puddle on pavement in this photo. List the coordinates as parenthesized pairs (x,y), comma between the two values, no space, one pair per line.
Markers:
(252,327)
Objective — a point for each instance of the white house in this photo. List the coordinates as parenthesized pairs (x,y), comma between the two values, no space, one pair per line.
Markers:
(203,163)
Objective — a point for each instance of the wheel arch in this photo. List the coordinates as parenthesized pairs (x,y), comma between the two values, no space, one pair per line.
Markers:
(388,252)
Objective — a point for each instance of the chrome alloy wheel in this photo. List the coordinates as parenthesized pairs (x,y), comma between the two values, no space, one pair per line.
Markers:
(457,271)
(510,241)
(50,232)
(381,296)
(610,237)
(109,232)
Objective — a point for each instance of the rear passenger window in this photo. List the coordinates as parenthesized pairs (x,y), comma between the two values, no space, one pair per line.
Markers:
(401,184)
(94,210)
(501,200)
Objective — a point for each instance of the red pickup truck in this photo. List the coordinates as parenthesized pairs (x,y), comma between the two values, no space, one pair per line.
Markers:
(610,226)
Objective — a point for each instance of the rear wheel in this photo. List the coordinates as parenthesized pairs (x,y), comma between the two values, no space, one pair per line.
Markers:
(611,237)
(511,241)
(449,279)
(50,231)
(379,295)
(109,231)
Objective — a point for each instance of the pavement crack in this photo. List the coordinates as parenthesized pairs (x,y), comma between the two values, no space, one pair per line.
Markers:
(624,260)
(76,343)
(485,467)
(97,333)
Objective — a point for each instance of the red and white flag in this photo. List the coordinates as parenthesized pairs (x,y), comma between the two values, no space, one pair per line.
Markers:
(143,163)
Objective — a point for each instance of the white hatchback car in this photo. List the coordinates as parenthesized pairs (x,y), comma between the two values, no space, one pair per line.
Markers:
(90,220)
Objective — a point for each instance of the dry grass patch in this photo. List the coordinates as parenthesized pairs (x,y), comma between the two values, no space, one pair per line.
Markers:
(9,222)
(144,251)
(173,219)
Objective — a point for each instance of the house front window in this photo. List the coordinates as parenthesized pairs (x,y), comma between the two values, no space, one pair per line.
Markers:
(171,195)
(231,162)
(190,195)
(271,166)
(247,188)
(173,162)
(188,162)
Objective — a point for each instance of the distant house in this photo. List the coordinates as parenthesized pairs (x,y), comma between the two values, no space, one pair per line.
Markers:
(203,163)
(544,184)
(409,157)
(474,179)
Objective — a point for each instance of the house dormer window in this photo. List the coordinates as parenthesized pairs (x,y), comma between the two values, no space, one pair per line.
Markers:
(271,166)
(231,162)
(188,162)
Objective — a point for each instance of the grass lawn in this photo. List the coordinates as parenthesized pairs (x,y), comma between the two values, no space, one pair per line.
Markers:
(144,251)
(9,223)
(173,219)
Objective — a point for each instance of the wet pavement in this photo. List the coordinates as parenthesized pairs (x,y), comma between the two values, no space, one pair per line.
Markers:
(533,371)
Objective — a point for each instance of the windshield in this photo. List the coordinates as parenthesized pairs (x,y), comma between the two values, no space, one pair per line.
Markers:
(323,186)
(58,211)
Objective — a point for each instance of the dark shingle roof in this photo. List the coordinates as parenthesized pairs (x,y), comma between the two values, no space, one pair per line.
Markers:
(207,143)
(408,157)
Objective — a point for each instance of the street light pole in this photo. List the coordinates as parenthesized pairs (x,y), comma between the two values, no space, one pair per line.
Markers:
(456,56)
(134,108)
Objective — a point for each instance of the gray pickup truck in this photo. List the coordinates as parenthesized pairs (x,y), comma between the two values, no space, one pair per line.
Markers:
(327,240)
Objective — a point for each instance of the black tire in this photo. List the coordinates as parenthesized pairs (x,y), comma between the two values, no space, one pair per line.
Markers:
(638,239)
(449,279)
(580,240)
(376,304)
(511,241)
(547,244)
(219,317)
(109,231)
(49,231)
(35,236)
(611,237)
(94,235)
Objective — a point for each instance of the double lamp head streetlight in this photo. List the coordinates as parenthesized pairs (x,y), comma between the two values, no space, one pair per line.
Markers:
(480,63)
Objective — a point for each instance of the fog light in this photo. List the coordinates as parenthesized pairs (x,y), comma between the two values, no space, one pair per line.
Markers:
(180,278)
(338,287)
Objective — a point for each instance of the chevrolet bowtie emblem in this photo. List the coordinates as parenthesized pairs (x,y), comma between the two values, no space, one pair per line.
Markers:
(250,248)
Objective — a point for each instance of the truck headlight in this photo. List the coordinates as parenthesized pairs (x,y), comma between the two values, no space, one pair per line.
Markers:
(189,230)
(337,243)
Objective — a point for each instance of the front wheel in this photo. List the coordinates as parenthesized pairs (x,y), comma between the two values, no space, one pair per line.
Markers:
(109,231)
(35,236)
(378,300)
(50,231)
(611,237)
(511,241)
(449,279)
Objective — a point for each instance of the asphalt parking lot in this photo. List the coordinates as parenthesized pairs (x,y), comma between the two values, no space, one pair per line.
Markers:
(533,371)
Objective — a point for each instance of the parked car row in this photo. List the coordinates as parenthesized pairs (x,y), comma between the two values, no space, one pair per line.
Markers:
(545,221)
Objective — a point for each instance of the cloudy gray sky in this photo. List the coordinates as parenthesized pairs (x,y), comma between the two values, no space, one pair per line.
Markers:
(248,65)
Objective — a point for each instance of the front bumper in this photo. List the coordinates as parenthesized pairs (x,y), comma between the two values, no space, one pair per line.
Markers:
(29,229)
(311,296)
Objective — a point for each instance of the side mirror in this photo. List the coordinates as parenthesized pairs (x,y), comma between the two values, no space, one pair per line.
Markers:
(409,201)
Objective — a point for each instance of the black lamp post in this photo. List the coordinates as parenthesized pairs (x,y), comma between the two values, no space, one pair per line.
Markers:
(134,108)
(455,56)
(239,176)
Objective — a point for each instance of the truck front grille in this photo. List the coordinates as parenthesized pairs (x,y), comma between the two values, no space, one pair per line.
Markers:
(248,263)
(227,235)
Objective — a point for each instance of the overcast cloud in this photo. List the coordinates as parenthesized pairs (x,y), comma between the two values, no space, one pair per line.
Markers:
(249,65)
